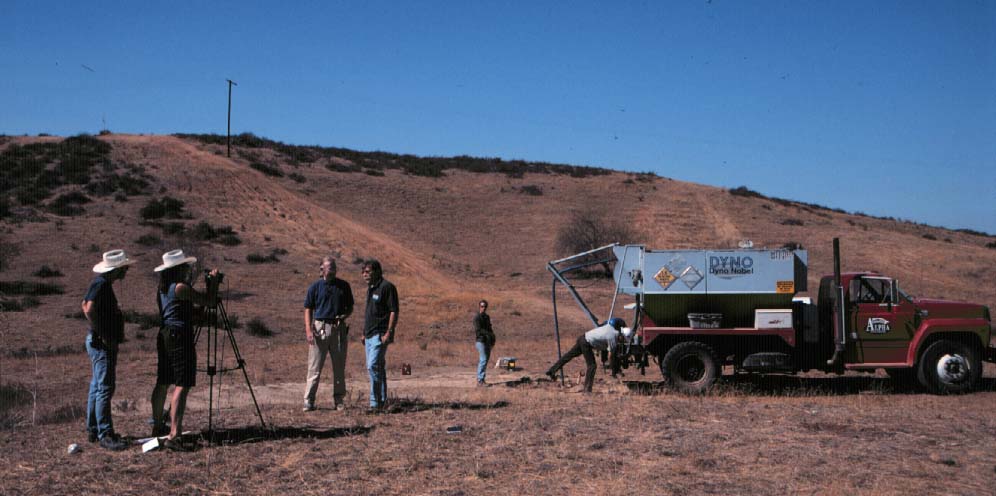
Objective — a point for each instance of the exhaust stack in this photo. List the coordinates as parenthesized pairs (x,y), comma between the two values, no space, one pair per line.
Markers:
(840,333)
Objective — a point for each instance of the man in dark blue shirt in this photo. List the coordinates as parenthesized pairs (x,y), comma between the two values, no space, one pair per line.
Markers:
(100,306)
(378,329)
(326,306)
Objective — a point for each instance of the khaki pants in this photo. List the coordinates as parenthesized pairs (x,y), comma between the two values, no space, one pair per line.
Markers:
(329,340)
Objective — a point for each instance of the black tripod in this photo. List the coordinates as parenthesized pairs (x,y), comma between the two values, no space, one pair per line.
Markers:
(216,320)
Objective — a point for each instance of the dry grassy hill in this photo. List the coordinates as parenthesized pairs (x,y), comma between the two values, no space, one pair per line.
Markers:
(448,231)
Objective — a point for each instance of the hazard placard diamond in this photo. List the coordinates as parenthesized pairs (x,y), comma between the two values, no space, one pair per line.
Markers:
(664,277)
(691,277)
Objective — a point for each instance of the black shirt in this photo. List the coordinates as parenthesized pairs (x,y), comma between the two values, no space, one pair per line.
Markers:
(329,299)
(382,300)
(482,328)
(106,320)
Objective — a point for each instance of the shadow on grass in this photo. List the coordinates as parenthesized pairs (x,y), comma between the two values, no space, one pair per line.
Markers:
(522,381)
(794,386)
(413,405)
(255,434)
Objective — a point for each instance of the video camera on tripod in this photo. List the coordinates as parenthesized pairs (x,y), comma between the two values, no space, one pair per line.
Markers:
(216,325)
(212,282)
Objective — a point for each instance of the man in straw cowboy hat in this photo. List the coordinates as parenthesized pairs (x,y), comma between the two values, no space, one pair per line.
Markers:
(100,306)
(177,356)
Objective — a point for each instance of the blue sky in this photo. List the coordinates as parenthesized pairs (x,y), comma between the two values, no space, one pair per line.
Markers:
(888,108)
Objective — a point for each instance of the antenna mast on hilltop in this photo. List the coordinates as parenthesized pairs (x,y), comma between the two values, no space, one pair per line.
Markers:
(228,139)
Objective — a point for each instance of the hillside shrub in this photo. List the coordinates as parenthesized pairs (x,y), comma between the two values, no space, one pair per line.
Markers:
(256,327)
(149,240)
(337,167)
(163,208)
(991,244)
(792,222)
(745,192)
(30,288)
(223,235)
(121,185)
(589,229)
(10,305)
(973,232)
(7,252)
(267,169)
(68,204)
(929,236)
(173,228)
(531,190)
(374,163)
(257,258)
(297,178)
(45,272)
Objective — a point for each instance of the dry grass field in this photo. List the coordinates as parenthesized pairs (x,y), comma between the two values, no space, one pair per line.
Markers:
(447,242)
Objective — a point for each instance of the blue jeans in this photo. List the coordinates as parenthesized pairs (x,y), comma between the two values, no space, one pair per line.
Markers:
(376,351)
(484,354)
(104,361)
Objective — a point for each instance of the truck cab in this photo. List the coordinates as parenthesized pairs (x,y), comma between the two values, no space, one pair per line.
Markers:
(939,343)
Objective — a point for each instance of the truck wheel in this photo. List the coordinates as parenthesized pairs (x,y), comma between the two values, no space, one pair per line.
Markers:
(690,367)
(949,367)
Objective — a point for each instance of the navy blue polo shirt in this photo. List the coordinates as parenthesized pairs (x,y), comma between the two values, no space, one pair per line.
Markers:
(329,299)
(106,320)
(382,300)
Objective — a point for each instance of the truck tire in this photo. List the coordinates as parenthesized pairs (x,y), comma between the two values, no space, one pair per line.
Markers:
(949,367)
(690,367)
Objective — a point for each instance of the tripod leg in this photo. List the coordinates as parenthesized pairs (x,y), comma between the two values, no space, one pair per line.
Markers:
(238,357)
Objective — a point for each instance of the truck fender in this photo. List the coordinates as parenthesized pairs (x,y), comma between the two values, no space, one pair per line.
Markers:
(941,327)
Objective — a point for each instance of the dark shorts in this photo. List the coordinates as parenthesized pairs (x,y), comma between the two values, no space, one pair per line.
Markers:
(177,357)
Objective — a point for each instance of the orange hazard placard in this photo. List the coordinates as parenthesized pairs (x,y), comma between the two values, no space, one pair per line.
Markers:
(785,287)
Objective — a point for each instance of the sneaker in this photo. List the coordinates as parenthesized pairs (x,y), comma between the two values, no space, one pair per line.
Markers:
(552,376)
(482,384)
(340,407)
(162,430)
(308,407)
(375,410)
(112,442)
(91,436)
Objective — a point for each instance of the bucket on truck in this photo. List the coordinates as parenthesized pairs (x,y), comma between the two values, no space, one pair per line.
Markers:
(705,320)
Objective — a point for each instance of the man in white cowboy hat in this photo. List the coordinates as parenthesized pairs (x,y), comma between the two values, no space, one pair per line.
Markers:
(100,306)
(177,357)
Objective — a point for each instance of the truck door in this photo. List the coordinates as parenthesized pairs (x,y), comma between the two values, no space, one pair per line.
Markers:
(881,322)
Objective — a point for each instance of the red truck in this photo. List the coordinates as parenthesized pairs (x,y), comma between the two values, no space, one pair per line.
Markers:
(699,310)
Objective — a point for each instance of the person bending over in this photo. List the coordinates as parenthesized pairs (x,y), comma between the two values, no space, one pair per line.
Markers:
(601,338)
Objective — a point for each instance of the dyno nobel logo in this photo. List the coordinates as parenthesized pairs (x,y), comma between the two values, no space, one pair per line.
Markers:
(729,267)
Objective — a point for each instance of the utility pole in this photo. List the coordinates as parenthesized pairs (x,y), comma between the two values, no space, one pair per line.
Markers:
(228,140)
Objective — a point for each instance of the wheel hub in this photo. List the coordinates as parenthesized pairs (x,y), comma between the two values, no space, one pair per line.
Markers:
(691,369)
(952,369)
